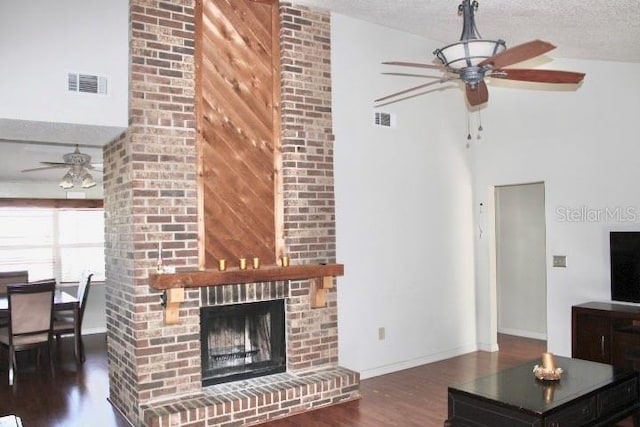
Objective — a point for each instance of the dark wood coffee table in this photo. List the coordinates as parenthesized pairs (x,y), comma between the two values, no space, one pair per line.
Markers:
(588,394)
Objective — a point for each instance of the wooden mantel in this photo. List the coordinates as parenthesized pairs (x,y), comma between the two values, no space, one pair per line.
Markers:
(267,273)
(173,284)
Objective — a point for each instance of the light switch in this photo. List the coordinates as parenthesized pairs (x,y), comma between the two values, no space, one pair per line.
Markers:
(560,261)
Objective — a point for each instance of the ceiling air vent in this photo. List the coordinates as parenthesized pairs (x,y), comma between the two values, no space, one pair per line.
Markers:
(87,83)
(380,118)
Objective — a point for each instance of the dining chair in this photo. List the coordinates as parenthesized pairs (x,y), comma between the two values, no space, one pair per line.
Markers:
(7,278)
(64,321)
(11,277)
(30,321)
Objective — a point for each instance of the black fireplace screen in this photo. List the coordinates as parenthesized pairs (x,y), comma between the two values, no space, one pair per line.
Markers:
(242,341)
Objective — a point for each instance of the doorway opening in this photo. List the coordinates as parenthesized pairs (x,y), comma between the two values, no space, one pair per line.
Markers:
(520,242)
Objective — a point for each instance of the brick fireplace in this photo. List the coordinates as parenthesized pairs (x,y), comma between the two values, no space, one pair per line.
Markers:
(150,188)
(312,378)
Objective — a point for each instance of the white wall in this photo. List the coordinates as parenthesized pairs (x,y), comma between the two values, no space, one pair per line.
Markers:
(584,146)
(403,209)
(43,40)
(404,198)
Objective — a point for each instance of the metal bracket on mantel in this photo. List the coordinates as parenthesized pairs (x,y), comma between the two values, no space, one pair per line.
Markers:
(319,287)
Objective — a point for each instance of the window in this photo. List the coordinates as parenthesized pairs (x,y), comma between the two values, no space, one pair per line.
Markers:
(52,242)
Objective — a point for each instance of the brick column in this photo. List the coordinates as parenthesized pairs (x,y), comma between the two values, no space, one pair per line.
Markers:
(150,197)
(309,202)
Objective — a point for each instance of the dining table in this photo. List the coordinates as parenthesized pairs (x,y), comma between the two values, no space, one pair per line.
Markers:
(61,301)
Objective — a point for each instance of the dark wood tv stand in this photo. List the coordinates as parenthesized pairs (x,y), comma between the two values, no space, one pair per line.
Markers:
(607,333)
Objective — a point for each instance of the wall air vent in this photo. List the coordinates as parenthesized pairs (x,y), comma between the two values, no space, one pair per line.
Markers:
(380,118)
(87,83)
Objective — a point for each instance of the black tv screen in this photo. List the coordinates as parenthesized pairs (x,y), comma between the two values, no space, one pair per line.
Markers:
(625,265)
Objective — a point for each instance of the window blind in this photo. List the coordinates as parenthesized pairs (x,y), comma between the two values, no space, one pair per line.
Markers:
(52,242)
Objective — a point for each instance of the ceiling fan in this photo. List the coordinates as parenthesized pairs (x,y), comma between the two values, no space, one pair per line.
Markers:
(78,164)
(473,58)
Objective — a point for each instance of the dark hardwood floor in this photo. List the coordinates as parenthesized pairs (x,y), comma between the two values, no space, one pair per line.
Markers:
(413,397)
(417,397)
(76,396)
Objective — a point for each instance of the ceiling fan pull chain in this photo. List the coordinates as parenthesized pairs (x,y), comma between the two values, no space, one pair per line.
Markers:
(468,130)
(480,121)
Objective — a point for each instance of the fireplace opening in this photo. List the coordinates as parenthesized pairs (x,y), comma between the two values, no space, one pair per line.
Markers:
(242,341)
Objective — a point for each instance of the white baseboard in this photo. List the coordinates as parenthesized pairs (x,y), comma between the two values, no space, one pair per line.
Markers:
(92,331)
(489,347)
(423,360)
(88,331)
(525,334)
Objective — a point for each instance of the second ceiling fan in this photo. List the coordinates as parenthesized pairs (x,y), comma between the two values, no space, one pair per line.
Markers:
(474,58)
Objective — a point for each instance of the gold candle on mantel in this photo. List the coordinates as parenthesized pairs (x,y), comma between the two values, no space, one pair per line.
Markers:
(243,263)
(284,261)
(222,264)
(256,262)
(548,361)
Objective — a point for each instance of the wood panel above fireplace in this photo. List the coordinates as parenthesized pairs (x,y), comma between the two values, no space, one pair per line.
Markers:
(238,124)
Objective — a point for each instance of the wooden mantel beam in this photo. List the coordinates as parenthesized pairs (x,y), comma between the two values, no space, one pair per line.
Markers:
(203,278)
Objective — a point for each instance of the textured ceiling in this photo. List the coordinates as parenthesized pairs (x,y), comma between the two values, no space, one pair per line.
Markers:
(19,155)
(581,29)
(24,144)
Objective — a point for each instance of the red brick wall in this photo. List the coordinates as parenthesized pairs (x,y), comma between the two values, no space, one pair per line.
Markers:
(307,134)
(119,249)
(307,145)
(150,196)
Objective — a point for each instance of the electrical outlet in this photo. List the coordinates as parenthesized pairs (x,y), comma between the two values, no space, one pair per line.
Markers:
(381,334)
(560,261)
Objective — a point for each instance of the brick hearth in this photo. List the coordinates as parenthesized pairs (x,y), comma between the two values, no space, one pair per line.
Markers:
(256,401)
(150,191)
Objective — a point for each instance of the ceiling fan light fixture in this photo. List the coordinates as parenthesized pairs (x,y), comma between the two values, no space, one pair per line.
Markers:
(87,180)
(469,53)
(472,49)
(67,180)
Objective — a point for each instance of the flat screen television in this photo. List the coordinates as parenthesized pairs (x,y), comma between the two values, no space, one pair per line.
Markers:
(625,265)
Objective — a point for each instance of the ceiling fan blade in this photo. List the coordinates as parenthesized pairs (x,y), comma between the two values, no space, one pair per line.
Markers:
(478,94)
(416,64)
(539,76)
(43,168)
(425,76)
(58,164)
(402,92)
(518,53)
